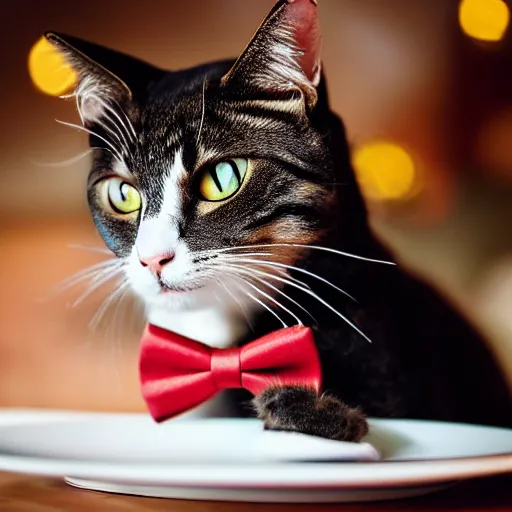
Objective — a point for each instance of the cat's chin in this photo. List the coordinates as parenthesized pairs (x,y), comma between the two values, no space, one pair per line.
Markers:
(176,301)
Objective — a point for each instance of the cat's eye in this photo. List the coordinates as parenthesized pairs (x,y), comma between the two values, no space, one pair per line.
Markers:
(122,197)
(224,180)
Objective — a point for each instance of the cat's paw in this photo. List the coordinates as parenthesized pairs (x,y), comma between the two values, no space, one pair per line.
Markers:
(303,410)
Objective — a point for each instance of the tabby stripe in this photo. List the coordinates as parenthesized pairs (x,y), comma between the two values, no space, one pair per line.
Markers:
(260,95)
(236,171)
(213,174)
(302,211)
(275,115)
(306,174)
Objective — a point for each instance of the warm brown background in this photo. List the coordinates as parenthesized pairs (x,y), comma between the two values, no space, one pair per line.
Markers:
(397,68)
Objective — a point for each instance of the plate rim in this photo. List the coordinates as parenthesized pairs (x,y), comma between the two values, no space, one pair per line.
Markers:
(341,475)
(444,471)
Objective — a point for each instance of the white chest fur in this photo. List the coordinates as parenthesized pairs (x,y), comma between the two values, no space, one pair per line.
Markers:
(215,327)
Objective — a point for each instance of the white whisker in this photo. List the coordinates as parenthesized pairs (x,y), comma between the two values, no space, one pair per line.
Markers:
(261,303)
(68,161)
(87,273)
(97,283)
(270,298)
(119,133)
(122,124)
(288,276)
(128,123)
(314,295)
(96,319)
(203,113)
(304,246)
(267,263)
(94,134)
(102,250)
(280,292)
(117,327)
(235,299)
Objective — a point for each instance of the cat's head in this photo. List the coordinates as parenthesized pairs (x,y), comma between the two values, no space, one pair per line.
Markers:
(199,170)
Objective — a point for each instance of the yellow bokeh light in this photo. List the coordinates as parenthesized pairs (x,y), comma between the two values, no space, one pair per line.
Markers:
(385,171)
(485,20)
(49,71)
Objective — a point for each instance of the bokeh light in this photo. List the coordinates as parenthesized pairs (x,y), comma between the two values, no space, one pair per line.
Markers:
(385,171)
(49,71)
(485,20)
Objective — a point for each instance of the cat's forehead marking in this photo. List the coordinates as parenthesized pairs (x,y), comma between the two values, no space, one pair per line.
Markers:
(171,205)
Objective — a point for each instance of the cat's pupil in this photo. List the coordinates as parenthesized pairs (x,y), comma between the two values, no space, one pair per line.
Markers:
(124,191)
(226,176)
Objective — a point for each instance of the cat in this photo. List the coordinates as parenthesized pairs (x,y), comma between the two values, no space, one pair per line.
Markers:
(228,192)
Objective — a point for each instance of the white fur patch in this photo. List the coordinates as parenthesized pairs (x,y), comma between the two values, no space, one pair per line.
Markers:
(213,326)
(204,314)
(172,203)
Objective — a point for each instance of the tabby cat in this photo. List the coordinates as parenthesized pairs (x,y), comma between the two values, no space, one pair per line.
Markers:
(227,191)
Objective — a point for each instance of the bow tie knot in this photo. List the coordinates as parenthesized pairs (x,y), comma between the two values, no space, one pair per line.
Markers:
(178,373)
(226,367)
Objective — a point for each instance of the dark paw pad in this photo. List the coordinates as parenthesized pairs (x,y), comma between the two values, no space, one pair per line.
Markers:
(303,410)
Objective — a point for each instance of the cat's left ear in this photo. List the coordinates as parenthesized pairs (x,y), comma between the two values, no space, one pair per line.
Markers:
(100,76)
(284,54)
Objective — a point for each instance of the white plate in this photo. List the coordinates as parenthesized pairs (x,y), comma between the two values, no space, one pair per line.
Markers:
(234,459)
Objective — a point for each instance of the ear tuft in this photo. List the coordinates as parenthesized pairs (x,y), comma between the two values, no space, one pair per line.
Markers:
(97,89)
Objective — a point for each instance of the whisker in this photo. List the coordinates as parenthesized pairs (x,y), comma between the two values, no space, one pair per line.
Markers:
(314,295)
(304,246)
(120,129)
(203,112)
(128,123)
(114,131)
(116,326)
(135,311)
(89,272)
(288,276)
(291,267)
(235,299)
(96,319)
(276,302)
(96,284)
(283,294)
(210,252)
(121,122)
(67,162)
(261,303)
(94,134)
(102,250)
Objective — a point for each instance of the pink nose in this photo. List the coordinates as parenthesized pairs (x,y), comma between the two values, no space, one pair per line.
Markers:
(156,263)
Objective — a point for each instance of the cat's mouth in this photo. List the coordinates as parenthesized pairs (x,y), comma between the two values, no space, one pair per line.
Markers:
(172,288)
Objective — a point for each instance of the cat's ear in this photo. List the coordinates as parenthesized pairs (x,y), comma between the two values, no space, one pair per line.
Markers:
(284,53)
(104,77)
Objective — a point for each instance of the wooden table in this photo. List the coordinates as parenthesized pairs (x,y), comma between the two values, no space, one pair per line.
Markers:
(25,494)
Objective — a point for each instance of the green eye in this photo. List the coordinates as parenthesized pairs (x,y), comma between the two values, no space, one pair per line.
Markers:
(224,180)
(122,197)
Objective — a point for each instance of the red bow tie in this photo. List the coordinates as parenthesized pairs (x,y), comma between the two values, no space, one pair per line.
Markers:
(177,373)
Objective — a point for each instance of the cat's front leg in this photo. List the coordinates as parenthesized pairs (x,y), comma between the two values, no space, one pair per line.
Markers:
(300,409)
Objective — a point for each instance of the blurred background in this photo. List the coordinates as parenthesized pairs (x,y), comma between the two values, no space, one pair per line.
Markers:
(424,85)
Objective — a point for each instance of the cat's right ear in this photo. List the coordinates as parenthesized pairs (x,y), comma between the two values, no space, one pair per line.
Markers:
(104,78)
